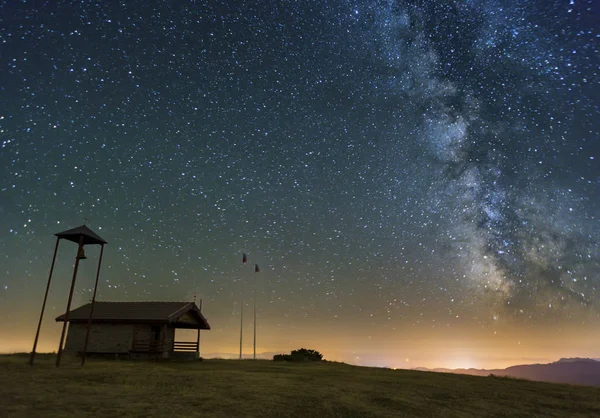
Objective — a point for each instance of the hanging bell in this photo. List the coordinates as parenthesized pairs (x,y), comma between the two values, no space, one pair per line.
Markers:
(81,254)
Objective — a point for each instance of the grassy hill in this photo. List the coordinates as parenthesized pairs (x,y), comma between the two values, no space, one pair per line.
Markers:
(230,388)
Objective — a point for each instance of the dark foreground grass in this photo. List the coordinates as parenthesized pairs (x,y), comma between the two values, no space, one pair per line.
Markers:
(230,388)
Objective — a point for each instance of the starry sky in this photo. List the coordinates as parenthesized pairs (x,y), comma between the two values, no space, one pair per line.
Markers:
(419,181)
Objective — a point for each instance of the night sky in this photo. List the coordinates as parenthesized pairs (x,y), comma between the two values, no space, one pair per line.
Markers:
(419,181)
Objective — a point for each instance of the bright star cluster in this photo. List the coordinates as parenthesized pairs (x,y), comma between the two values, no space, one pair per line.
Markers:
(402,171)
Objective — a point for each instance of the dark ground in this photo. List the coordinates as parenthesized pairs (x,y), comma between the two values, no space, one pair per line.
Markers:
(230,388)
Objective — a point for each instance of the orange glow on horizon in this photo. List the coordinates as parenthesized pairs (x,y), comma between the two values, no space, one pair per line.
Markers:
(463,350)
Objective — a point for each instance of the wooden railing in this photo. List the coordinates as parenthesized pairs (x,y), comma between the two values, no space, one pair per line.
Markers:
(157,346)
(185,346)
(147,346)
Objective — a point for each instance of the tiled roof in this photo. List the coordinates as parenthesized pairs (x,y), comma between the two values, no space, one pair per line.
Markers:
(135,312)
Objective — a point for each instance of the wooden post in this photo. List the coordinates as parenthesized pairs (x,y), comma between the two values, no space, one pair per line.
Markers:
(198,344)
(37,333)
(62,335)
(89,324)
(198,337)
(163,337)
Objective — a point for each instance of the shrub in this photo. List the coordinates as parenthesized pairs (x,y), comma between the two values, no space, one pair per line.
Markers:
(307,355)
(300,355)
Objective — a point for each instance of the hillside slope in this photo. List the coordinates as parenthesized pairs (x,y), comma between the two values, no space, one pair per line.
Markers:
(230,388)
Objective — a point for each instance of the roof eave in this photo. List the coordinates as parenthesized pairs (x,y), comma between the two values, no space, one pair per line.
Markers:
(116,321)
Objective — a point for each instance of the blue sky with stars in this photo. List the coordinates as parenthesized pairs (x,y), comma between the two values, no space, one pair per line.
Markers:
(418,180)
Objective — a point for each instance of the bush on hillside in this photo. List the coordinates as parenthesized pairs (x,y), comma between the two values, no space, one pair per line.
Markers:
(300,355)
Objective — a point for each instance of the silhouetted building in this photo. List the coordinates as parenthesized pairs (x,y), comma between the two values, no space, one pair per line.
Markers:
(135,329)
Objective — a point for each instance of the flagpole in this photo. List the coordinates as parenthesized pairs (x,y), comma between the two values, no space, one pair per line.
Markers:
(244,259)
(254,297)
(241,323)
(256,270)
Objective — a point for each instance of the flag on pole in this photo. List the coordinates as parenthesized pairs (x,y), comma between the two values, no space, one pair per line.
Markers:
(256,269)
(244,258)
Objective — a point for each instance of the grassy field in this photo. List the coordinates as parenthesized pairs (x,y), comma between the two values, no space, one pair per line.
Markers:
(230,388)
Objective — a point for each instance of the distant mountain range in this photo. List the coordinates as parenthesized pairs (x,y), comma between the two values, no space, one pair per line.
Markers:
(577,371)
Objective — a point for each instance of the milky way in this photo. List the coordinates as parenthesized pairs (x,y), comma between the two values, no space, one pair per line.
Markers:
(388,164)
(498,102)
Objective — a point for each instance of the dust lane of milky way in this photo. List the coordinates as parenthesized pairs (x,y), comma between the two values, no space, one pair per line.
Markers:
(418,180)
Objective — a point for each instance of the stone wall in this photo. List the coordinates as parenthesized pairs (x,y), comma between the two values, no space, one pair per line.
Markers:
(183,355)
(104,338)
(115,338)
